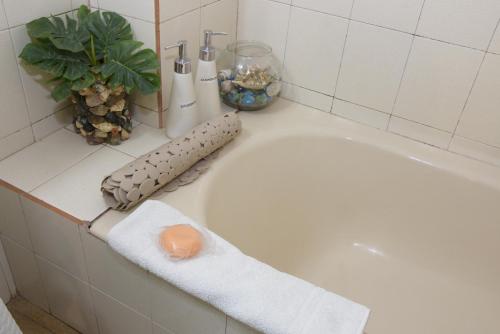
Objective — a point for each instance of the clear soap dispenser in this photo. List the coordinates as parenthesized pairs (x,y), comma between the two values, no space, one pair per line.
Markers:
(206,85)
(182,113)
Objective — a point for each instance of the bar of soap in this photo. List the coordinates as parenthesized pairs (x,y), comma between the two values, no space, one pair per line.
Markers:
(181,241)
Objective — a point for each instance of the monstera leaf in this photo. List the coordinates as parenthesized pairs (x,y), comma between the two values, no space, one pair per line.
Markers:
(59,63)
(108,28)
(131,68)
(69,36)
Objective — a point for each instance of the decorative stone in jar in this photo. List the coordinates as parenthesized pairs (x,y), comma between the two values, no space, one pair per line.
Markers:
(102,114)
(249,75)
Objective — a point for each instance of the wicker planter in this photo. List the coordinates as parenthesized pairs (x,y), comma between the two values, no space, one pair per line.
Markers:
(102,114)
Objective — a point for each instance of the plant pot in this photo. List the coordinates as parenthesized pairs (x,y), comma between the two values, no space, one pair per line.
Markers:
(102,114)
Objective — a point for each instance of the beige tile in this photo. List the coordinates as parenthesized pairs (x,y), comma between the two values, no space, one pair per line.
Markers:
(18,13)
(3,18)
(236,327)
(39,317)
(143,139)
(495,42)
(114,275)
(7,273)
(12,222)
(69,298)
(75,4)
(27,325)
(51,156)
(419,132)
(436,83)
(77,190)
(372,66)
(264,21)
(13,112)
(314,50)
(360,114)
(170,9)
(145,116)
(175,310)
(220,16)
(157,329)
(16,142)
(475,150)
(464,22)
(55,238)
(339,7)
(25,272)
(307,97)
(144,10)
(52,123)
(481,118)
(115,318)
(397,14)
(182,27)
(4,288)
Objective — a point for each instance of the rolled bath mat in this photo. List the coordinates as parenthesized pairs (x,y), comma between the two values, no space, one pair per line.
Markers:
(139,179)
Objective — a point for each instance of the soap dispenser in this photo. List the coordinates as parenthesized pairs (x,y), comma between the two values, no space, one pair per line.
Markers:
(206,85)
(182,113)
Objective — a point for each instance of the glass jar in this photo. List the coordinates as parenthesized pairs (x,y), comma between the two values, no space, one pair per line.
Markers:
(249,75)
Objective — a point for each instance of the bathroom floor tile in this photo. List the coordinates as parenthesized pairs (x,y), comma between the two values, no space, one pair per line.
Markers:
(38,163)
(32,319)
(77,190)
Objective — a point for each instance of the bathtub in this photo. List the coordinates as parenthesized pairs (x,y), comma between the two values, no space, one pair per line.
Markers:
(411,231)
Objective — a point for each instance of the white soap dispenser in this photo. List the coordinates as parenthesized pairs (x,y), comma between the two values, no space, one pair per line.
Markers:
(182,113)
(206,85)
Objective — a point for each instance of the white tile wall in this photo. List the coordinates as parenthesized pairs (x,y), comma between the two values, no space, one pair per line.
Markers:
(175,310)
(464,22)
(26,273)
(495,42)
(144,9)
(170,9)
(69,298)
(270,28)
(55,238)
(114,317)
(481,118)
(372,67)
(310,31)
(24,93)
(12,222)
(360,114)
(114,275)
(13,111)
(416,59)
(436,83)
(339,7)
(397,14)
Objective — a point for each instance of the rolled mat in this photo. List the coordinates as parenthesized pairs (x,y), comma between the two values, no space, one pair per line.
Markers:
(138,180)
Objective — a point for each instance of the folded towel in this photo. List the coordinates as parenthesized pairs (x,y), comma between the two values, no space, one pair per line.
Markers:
(240,286)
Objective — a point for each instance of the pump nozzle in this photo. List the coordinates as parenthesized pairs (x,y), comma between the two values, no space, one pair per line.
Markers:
(182,63)
(207,51)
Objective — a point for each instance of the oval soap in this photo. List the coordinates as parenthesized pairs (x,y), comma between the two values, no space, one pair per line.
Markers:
(181,241)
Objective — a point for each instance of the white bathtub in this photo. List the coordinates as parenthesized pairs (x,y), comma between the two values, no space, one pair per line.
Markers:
(408,230)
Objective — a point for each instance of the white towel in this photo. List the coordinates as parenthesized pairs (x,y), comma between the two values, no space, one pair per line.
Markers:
(240,286)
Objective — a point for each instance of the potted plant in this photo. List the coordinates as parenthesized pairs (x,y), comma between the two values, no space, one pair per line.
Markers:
(97,63)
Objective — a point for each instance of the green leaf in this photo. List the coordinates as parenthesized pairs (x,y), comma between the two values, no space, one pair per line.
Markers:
(68,36)
(86,81)
(62,91)
(108,28)
(131,68)
(56,62)
(83,13)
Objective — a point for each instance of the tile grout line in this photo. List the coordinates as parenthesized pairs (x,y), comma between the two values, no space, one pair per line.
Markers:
(342,57)
(473,84)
